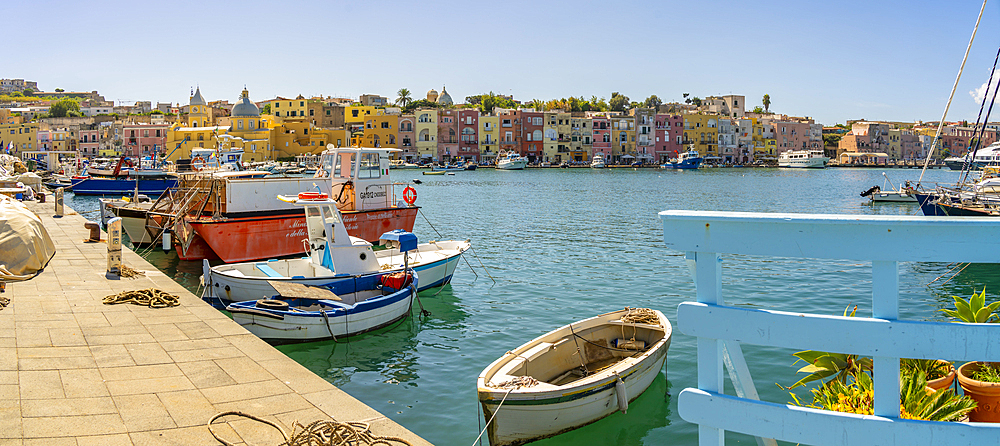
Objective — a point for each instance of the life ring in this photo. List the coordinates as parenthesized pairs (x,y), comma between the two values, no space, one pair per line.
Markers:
(410,195)
(272,304)
(312,196)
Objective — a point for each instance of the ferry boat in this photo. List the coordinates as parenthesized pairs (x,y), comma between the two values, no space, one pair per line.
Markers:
(687,160)
(986,156)
(812,159)
(510,160)
(238,219)
(598,161)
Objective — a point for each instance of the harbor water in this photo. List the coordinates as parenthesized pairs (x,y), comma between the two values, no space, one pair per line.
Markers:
(566,244)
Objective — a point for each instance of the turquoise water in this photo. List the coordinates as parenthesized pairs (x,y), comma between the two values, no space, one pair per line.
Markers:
(566,244)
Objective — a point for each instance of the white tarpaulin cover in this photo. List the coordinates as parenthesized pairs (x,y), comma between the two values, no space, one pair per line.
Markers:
(25,245)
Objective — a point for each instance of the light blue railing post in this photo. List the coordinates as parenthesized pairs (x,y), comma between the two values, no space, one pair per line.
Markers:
(885,305)
(708,283)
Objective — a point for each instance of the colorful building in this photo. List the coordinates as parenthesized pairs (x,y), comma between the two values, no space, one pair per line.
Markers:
(533,141)
(138,139)
(645,134)
(511,130)
(19,138)
(447,142)
(489,137)
(669,134)
(601,132)
(407,138)
(701,130)
(622,139)
(468,131)
(426,128)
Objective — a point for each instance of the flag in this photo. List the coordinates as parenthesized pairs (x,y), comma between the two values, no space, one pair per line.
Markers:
(10,145)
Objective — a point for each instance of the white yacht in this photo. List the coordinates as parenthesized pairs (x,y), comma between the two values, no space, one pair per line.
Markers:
(598,161)
(803,159)
(510,160)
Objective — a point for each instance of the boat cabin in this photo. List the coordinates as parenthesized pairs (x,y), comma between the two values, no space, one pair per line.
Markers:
(358,177)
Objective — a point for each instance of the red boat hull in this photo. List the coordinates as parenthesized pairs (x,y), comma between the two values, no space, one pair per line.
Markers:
(244,239)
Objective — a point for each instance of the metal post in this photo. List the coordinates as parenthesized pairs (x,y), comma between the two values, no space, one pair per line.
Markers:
(115,245)
(885,305)
(59,202)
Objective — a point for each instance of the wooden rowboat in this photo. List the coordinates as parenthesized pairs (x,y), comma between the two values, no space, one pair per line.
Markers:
(573,376)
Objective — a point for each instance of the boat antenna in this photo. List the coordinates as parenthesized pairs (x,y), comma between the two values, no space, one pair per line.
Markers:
(937,136)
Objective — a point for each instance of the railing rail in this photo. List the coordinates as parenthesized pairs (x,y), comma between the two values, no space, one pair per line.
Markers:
(883,240)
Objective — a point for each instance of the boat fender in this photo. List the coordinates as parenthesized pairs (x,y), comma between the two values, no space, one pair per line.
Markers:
(621,394)
(630,344)
(272,304)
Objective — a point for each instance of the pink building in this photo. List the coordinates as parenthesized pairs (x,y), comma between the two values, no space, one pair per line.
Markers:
(144,139)
(790,135)
(447,137)
(533,142)
(468,130)
(407,138)
(669,133)
(602,137)
(90,142)
(510,130)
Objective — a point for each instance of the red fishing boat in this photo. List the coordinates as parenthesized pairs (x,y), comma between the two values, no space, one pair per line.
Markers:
(238,219)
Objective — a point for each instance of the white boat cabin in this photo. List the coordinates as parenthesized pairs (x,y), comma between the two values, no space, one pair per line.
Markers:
(358,177)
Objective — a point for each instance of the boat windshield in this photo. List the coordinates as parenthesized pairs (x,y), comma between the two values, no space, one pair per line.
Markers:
(317,219)
(370,167)
(344,166)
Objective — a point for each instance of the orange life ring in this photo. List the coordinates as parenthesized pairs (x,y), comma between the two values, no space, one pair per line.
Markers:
(410,195)
(312,196)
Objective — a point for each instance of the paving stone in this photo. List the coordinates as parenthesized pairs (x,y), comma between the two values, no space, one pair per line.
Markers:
(140,372)
(187,407)
(205,374)
(244,370)
(143,412)
(111,355)
(69,362)
(43,427)
(83,383)
(104,440)
(10,419)
(40,384)
(148,353)
(63,441)
(67,407)
(150,385)
(236,392)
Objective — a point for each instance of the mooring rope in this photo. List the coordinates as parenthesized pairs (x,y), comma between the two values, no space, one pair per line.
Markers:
(129,272)
(153,298)
(492,417)
(318,433)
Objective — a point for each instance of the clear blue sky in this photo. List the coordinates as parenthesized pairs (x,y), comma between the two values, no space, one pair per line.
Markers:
(887,60)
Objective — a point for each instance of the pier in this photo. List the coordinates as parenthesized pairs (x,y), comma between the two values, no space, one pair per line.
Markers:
(75,371)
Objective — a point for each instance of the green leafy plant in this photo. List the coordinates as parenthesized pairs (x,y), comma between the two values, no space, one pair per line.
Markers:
(988,372)
(974,310)
(915,402)
(822,365)
(929,368)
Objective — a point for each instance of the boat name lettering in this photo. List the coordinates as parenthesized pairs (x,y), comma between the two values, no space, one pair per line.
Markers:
(367,195)
(296,233)
(379,216)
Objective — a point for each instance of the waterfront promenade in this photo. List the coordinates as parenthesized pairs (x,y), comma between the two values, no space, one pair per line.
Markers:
(74,371)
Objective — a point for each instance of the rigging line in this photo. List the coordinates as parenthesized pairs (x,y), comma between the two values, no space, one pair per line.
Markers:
(481,264)
(952,268)
(937,135)
(967,165)
(429,223)
(956,274)
(494,415)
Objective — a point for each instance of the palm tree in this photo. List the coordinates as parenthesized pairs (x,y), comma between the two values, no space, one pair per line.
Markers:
(767,102)
(404,97)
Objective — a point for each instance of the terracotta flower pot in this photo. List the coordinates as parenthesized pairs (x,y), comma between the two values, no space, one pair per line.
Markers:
(986,394)
(943,382)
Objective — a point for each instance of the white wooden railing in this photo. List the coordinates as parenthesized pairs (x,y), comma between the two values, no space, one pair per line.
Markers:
(882,240)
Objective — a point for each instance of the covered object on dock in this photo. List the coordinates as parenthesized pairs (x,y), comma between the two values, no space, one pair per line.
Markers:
(25,245)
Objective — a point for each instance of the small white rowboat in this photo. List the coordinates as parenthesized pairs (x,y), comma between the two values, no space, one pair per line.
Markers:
(573,376)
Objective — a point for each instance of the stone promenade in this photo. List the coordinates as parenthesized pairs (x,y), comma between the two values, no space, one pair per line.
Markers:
(74,371)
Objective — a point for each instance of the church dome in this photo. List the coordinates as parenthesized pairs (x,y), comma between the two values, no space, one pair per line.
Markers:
(432,95)
(244,107)
(445,98)
(197,99)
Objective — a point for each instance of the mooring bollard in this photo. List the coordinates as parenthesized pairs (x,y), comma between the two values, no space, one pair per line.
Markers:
(115,245)
(95,231)
(59,202)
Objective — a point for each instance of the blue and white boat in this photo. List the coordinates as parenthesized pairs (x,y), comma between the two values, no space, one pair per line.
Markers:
(333,255)
(152,185)
(687,160)
(352,305)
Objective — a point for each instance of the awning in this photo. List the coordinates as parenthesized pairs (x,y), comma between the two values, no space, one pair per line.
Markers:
(627,156)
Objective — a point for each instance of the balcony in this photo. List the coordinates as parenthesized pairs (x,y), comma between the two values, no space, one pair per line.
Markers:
(884,241)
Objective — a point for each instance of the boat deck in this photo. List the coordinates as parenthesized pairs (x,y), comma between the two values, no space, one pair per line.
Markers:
(75,371)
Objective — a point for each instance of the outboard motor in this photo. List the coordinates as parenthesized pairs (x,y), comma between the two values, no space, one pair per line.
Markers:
(873,190)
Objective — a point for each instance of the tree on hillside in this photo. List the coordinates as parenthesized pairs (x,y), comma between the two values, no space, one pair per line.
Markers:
(696,101)
(418,104)
(767,103)
(27,92)
(618,102)
(652,102)
(63,108)
(758,109)
(403,98)
(266,110)
(598,104)
(59,90)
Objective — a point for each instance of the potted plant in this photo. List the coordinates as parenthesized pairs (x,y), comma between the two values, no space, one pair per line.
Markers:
(979,380)
(939,374)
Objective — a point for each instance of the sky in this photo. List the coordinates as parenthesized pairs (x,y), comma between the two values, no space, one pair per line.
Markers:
(833,61)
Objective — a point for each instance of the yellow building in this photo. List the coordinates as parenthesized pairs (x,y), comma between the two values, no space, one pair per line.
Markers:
(289,108)
(622,138)
(23,136)
(63,139)
(702,131)
(380,130)
(200,114)
(426,129)
(489,135)
(358,114)
(550,136)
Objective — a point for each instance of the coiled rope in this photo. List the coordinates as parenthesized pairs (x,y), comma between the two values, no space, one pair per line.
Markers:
(128,272)
(516,383)
(640,316)
(152,298)
(318,433)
